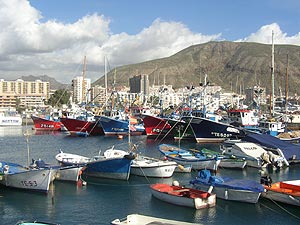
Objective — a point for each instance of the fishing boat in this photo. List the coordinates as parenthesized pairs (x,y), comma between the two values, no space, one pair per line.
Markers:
(82,126)
(10,118)
(283,191)
(26,178)
(183,196)
(118,126)
(157,127)
(254,154)
(228,188)
(113,164)
(137,219)
(210,131)
(152,167)
(185,157)
(46,123)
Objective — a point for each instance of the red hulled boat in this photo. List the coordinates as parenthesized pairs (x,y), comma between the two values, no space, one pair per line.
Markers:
(46,123)
(79,127)
(157,126)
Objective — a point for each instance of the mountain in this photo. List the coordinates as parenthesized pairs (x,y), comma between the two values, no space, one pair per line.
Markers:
(232,65)
(54,84)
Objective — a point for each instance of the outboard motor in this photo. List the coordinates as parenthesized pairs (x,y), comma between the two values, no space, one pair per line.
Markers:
(266,180)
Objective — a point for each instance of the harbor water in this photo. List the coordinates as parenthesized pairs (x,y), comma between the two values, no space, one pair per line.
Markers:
(102,200)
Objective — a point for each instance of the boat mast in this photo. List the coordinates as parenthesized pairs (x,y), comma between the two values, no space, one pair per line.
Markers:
(286,83)
(83,80)
(105,77)
(272,78)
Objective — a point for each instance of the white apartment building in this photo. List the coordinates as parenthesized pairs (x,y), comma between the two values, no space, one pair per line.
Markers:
(81,89)
(26,94)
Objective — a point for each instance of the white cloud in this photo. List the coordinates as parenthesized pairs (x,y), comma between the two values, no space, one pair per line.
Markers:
(264,35)
(30,46)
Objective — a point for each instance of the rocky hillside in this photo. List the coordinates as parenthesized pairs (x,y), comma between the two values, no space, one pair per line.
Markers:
(233,65)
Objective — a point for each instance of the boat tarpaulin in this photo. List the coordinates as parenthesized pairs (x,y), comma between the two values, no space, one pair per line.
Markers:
(204,177)
(291,151)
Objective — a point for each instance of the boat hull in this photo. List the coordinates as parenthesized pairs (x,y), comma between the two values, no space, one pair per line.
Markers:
(34,180)
(43,124)
(113,168)
(118,127)
(153,169)
(286,192)
(157,127)
(10,120)
(178,197)
(69,173)
(232,194)
(74,126)
(136,219)
(209,131)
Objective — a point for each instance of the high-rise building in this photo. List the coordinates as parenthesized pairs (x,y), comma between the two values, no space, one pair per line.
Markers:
(81,89)
(140,84)
(23,93)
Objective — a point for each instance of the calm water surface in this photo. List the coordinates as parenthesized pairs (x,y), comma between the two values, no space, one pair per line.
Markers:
(102,201)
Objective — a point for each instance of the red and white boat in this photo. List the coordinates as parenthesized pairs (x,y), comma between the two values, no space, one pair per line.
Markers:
(183,196)
(157,126)
(46,123)
(79,127)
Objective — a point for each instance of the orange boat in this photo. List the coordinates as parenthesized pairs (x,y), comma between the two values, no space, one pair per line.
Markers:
(284,191)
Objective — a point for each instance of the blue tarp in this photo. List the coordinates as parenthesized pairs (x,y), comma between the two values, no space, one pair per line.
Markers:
(205,178)
(290,150)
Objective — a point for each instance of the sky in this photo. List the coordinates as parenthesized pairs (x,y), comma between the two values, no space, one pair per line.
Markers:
(52,37)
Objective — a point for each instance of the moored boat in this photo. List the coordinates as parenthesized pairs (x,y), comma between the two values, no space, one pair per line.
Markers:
(137,219)
(287,192)
(117,126)
(151,167)
(157,127)
(10,118)
(185,157)
(46,123)
(228,188)
(113,164)
(20,177)
(183,196)
(80,126)
(255,155)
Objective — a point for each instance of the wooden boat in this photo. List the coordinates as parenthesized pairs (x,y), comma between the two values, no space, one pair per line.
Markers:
(228,188)
(284,191)
(137,219)
(183,196)
(26,178)
(185,157)
(46,123)
(151,167)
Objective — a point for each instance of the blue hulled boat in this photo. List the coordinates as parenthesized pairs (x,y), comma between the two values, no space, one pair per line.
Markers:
(118,126)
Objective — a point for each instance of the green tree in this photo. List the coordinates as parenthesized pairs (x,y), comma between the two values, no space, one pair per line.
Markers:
(59,98)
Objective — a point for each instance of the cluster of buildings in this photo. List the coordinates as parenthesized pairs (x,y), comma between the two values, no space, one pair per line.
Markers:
(35,94)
